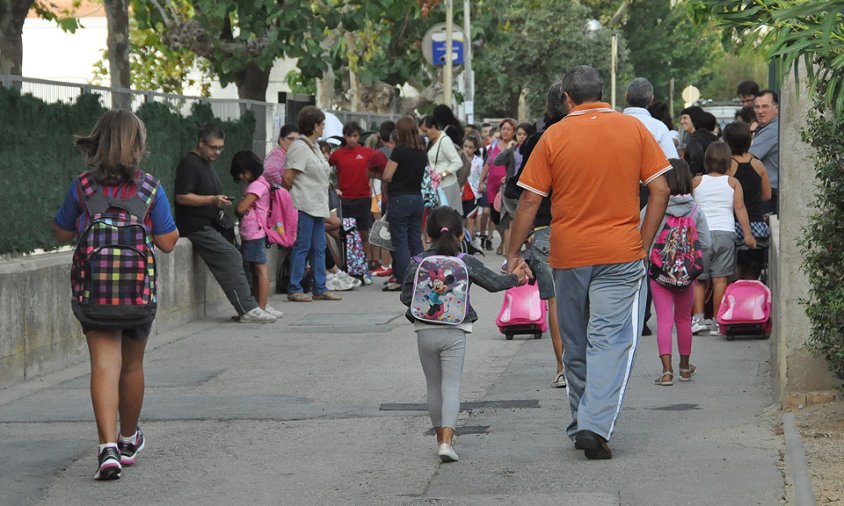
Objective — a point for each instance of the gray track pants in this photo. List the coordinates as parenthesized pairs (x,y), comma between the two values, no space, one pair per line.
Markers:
(600,310)
(441,351)
(226,264)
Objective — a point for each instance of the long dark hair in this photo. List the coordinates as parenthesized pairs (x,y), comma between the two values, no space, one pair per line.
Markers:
(445,228)
(679,178)
(448,123)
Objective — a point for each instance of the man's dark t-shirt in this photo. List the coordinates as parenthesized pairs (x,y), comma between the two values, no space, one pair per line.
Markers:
(195,175)
(411,167)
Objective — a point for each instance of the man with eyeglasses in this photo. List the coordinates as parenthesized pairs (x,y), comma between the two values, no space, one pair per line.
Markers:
(766,141)
(274,163)
(200,218)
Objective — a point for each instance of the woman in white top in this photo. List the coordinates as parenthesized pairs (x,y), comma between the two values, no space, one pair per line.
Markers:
(721,199)
(445,160)
(307,179)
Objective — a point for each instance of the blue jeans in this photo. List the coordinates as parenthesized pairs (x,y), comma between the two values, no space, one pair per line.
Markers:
(405,216)
(310,242)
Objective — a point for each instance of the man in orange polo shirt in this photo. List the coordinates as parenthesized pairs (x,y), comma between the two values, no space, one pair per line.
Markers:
(594,160)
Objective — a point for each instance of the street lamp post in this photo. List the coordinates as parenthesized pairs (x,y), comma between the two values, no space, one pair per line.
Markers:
(614,66)
(469,101)
(449,52)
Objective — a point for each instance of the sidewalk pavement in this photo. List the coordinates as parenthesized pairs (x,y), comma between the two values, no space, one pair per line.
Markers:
(327,407)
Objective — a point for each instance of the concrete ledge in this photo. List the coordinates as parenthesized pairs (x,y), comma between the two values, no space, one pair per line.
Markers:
(38,332)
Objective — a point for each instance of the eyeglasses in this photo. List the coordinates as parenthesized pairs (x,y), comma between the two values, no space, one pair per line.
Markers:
(218,148)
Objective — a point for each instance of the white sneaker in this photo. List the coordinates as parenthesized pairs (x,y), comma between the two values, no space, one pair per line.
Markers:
(355,282)
(257,315)
(698,327)
(446,453)
(274,312)
(367,279)
(337,284)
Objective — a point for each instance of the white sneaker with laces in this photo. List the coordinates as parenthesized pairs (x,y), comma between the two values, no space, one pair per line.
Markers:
(446,453)
(698,327)
(274,312)
(355,282)
(257,315)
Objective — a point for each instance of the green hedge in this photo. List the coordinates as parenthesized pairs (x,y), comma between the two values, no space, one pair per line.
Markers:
(39,158)
(823,240)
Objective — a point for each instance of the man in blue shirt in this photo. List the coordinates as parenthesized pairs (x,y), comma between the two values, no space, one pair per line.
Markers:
(766,141)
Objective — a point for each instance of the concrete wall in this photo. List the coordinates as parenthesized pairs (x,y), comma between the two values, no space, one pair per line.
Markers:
(796,370)
(38,332)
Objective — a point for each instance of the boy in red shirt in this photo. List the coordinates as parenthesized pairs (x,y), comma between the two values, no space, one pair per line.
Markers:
(352,165)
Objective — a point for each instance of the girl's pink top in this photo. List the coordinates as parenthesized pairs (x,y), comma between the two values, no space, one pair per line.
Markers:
(253,223)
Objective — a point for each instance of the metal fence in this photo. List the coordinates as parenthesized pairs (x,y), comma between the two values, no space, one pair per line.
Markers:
(269,117)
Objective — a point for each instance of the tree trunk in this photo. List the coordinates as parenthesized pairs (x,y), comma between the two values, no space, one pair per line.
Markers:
(252,83)
(12,17)
(325,90)
(354,79)
(117,16)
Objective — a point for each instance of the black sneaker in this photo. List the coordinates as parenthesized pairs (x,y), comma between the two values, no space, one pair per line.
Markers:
(594,446)
(129,451)
(110,466)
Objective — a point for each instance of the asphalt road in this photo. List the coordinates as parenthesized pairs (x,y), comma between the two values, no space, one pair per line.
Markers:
(326,407)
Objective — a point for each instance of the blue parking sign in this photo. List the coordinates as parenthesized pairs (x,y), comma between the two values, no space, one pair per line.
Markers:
(456,52)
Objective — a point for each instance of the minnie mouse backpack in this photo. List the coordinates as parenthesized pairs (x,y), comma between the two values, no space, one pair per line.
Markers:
(440,290)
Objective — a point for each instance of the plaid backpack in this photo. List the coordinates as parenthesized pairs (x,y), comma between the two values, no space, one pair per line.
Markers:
(113,278)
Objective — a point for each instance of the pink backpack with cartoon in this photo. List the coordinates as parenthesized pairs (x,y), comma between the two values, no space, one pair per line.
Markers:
(282,219)
(677,257)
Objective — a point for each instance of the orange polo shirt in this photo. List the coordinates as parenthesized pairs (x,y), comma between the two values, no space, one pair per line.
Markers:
(593,160)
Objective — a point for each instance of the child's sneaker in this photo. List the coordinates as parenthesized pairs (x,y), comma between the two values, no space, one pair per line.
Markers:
(384,271)
(131,447)
(698,326)
(110,467)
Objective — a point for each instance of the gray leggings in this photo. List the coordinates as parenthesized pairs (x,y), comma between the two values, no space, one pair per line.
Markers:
(441,351)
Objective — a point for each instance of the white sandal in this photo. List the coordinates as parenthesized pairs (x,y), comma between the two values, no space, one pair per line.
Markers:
(691,370)
(659,381)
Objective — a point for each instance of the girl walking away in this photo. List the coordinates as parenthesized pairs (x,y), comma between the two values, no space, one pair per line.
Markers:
(436,290)
(721,198)
(253,210)
(682,237)
(117,212)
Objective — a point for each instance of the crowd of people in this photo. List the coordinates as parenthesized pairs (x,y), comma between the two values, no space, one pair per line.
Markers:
(381,204)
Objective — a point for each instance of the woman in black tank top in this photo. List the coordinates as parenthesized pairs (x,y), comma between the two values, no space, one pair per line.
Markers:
(748,170)
(756,186)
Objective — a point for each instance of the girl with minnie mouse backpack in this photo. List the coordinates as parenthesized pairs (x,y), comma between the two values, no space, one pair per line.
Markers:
(436,291)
